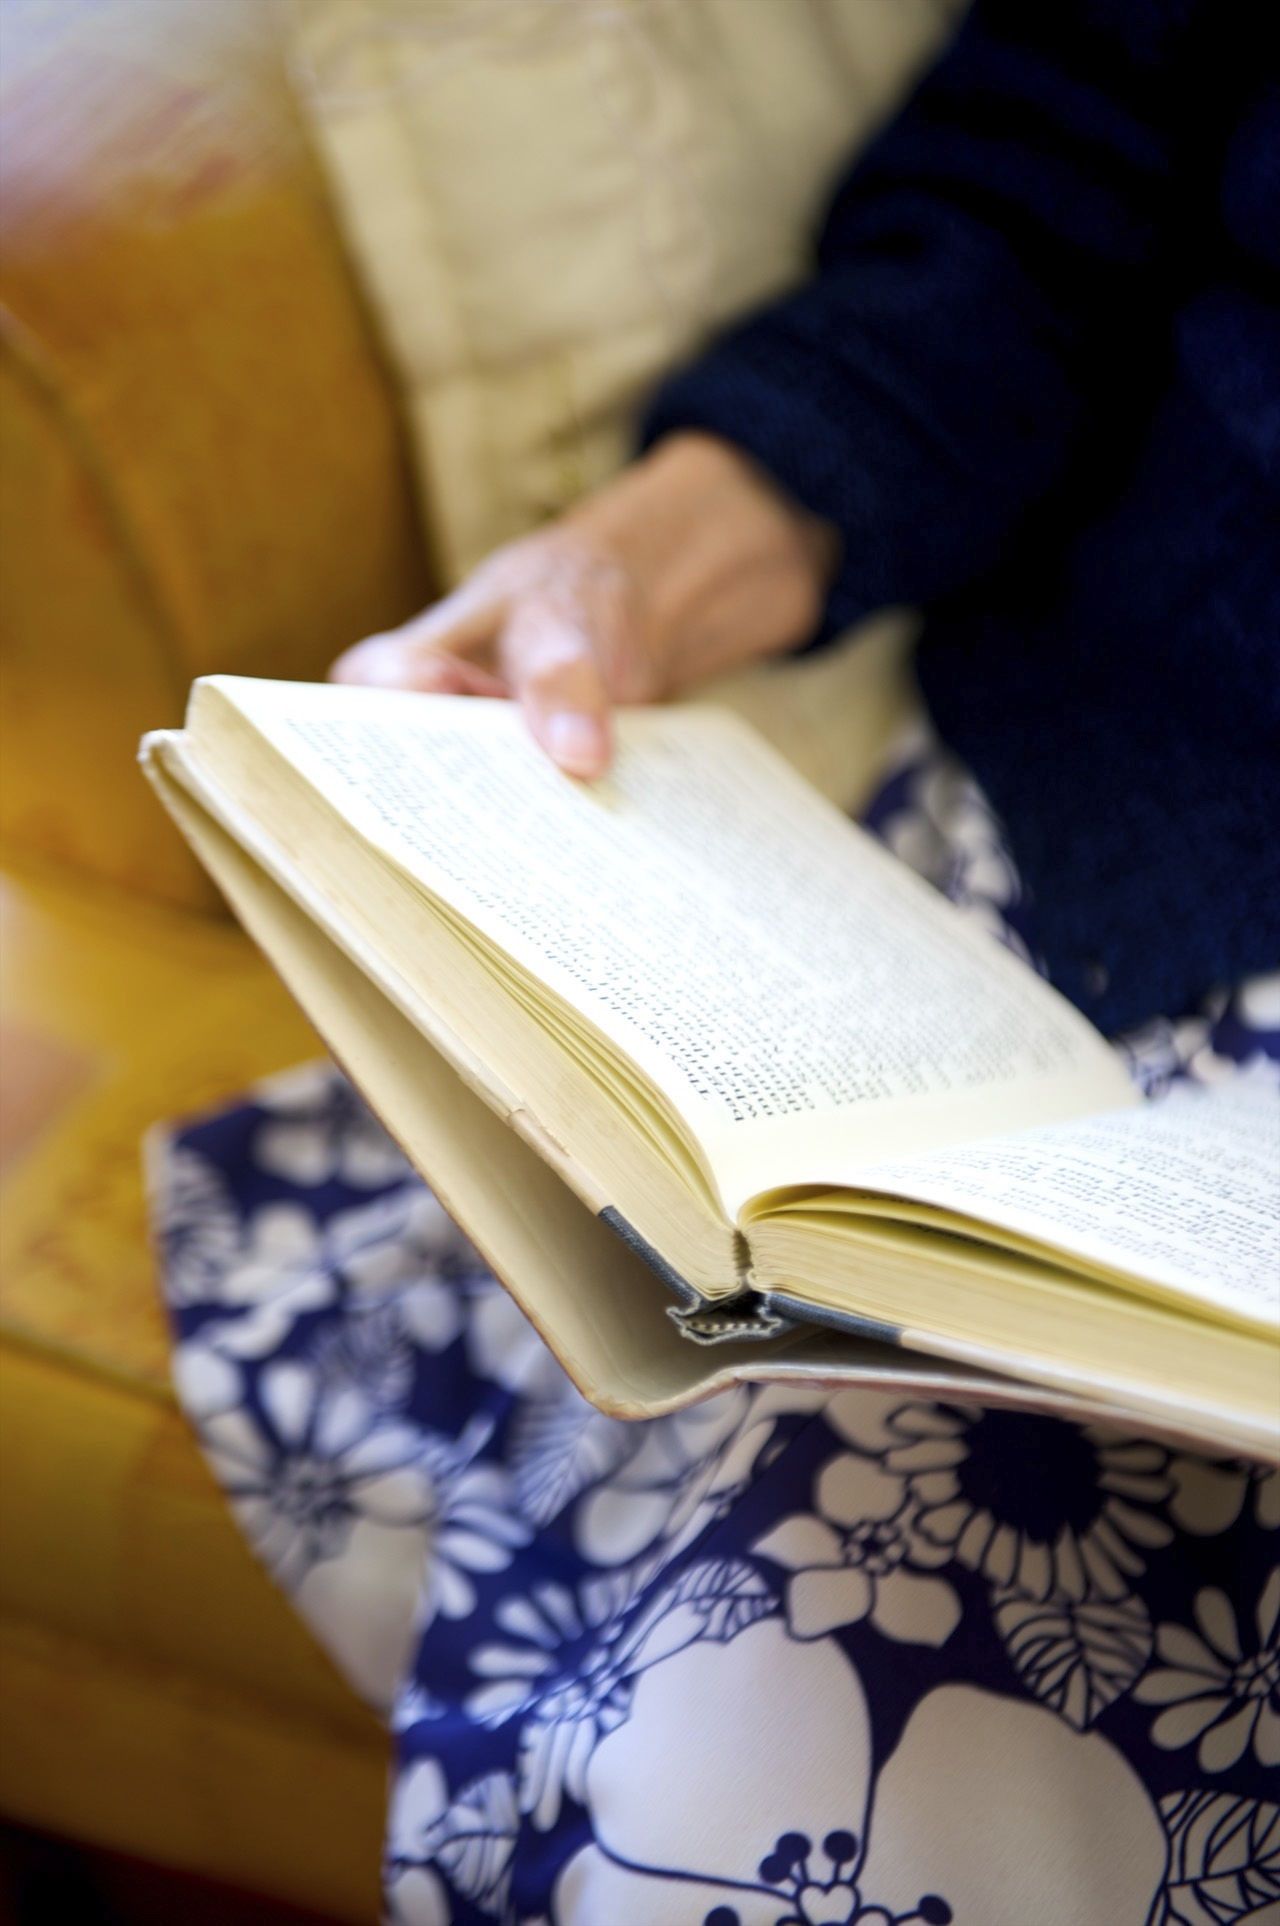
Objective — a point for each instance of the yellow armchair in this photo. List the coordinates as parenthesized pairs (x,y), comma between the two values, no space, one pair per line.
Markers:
(201,466)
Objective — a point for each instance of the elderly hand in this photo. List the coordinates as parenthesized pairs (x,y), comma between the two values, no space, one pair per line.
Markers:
(689,563)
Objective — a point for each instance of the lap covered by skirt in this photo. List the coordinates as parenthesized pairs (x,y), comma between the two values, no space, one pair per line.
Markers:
(787,1658)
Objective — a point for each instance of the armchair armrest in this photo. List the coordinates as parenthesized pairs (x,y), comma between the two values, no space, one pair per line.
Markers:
(201,461)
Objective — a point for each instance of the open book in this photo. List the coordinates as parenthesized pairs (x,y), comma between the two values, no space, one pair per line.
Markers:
(719,1087)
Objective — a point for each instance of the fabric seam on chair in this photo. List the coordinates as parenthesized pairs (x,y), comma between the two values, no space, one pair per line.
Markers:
(36,366)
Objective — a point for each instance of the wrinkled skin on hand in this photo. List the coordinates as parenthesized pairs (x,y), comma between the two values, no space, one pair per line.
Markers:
(691,562)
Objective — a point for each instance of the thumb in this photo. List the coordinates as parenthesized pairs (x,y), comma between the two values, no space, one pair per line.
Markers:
(551,667)
(441,649)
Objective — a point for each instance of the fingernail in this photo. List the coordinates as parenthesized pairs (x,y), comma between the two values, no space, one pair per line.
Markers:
(576,742)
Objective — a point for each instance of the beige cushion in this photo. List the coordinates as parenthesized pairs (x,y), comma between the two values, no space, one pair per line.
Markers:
(553,201)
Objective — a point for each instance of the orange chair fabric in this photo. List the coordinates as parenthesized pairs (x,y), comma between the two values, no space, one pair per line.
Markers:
(202,458)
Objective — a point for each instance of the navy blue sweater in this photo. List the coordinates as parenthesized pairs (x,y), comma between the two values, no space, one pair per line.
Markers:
(1034,382)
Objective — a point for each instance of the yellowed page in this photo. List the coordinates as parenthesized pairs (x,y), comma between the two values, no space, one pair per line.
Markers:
(1182,1195)
(835,716)
(511,1054)
(598,1304)
(1031,1318)
(796,994)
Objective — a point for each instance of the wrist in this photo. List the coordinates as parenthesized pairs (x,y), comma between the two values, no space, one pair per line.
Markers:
(725,566)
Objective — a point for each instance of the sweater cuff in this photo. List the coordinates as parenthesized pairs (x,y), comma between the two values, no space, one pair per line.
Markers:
(786,430)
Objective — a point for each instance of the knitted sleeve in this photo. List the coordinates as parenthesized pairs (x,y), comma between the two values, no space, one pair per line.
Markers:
(985,272)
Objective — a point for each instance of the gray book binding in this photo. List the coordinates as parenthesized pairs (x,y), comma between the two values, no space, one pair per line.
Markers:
(747,1313)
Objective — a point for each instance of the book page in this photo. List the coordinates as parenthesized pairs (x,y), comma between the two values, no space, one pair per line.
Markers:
(763,962)
(1183,1193)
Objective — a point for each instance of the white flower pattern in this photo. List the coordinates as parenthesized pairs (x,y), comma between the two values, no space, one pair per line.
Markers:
(470,1837)
(198,1227)
(347,1508)
(566,1665)
(316,1128)
(979,1495)
(854,1556)
(710,1810)
(1220,1691)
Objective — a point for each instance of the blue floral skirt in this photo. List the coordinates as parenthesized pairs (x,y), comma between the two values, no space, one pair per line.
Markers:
(787,1658)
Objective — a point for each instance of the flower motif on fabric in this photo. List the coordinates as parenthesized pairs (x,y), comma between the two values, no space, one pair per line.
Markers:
(414,1891)
(979,1815)
(1220,1690)
(1076,1655)
(1224,1860)
(301,1477)
(374,1248)
(1264,1491)
(348,1509)
(472,1528)
(375,1269)
(415,1705)
(563,1668)
(855,1556)
(277,1267)
(569,1662)
(319,1129)
(1031,1506)
(933,816)
(468,1841)
(672,1480)
(403,1238)
(1234,1035)
(819,1885)
(562,1446)
(197,1223)
(369,1351)
(1209,1496)
(403,1300)
(283,1245)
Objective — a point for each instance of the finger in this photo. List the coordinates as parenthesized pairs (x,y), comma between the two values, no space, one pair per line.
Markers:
(467,678)
(462,627)
(386,662)
(554,676)
(439,674)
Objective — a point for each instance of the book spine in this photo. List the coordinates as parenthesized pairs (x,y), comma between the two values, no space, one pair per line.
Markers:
(799,1311)
(718,1321)
(678,1286)
(739,1314)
